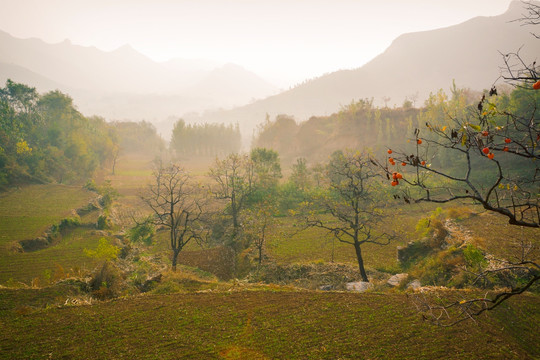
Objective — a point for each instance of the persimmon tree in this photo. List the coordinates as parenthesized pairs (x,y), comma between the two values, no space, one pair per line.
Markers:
(348,207)
(494,145)
(176,205)
(495,156)
(494,150)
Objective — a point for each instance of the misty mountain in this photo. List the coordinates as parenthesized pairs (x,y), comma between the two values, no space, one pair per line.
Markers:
(106,83)
(414,65)
(25,76)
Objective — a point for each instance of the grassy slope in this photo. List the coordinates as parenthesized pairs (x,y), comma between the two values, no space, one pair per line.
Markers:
(265,325)
(26,213)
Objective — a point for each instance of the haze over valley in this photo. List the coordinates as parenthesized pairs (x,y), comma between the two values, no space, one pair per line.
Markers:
(125,84)
(256,179)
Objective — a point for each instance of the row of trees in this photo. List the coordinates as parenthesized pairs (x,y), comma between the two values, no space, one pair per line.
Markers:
(44,138)
(205,139)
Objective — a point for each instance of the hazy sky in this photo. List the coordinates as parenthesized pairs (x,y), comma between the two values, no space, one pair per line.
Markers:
(285,41)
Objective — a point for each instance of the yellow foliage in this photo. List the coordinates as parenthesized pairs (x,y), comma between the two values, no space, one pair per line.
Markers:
(23,148)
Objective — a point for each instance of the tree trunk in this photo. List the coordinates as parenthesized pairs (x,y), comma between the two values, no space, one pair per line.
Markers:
(174,260)
(360,262)
(260,255)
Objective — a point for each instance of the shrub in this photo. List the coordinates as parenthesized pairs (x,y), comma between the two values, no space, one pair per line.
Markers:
(105,251)
(107,282)
(103,222)
(459,213)
(68,223)
(474,257)
(143,232)
(441,268)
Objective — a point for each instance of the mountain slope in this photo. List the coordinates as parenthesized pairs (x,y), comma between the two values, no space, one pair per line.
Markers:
(25,76)
(413,66)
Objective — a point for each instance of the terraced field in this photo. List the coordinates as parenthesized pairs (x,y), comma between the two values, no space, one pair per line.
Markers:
(26,212)
(269,323)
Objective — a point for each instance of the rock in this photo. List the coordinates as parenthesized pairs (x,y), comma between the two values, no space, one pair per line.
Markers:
(395,280)
(326,287)
(359,286)
(415,284)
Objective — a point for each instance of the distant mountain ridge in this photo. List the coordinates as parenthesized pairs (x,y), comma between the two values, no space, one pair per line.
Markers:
(101,82)
(124,84)
(413,66)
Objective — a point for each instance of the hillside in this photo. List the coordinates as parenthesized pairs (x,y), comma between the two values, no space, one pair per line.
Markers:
(412,67)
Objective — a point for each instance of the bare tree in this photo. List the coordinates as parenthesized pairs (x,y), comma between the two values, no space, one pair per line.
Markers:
(516,70)
(532,15)
(351,203)
(176,206)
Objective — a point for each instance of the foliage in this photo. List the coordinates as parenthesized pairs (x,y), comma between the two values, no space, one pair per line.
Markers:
(358,125)
(494,148)
(107,282)
(104,251)
(43,138)
(138,137)
(266,167)
(143,231)
(205,140)
(103,222)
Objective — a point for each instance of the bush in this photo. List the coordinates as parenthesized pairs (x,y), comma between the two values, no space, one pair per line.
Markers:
(104,251)
(69,223)
(143,232)
(107,282)
(441,268)
(103,222)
